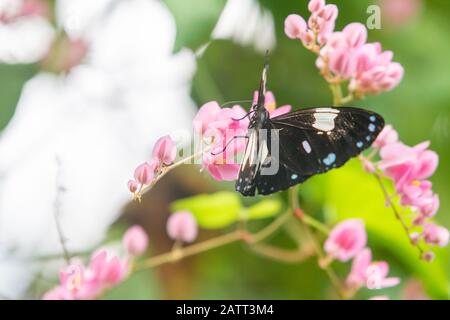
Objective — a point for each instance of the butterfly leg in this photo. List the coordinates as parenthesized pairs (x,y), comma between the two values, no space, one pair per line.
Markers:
(246,115)
(228,143)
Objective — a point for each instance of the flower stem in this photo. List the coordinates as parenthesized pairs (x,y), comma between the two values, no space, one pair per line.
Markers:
(173,256)
(319,226)
(284,255)
(316,244)
(397,214)
(237,235)
(165,170)
(337,93)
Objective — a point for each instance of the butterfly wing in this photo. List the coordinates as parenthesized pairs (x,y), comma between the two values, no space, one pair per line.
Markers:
(282,180)
(318,139)
(254,157)
(310,141)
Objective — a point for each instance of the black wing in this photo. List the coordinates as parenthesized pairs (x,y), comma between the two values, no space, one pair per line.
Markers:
(318,139)
(311,141)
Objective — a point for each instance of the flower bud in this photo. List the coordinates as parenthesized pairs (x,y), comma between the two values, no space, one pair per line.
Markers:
(144,173)
(132,186)
(135,241)
(165,150)
(294,26)
(182,226)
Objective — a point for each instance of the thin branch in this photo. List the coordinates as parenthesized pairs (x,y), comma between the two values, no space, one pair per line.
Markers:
(283,255)
(238,235)
(178,254)
(397,214)
(165,170)
(299,214)
(57,212)
(269,230)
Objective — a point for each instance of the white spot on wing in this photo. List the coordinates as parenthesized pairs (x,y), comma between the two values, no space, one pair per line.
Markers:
(324,121)
(328,110)
(306,146)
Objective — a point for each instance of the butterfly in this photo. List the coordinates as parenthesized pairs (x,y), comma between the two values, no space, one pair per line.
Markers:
(289,149)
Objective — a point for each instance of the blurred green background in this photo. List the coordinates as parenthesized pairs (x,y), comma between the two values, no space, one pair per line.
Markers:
(419,108)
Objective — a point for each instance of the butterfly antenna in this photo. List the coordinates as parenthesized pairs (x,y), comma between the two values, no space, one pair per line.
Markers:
(263,83)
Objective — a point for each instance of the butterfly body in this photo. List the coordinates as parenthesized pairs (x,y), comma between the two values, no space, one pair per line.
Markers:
(288,149)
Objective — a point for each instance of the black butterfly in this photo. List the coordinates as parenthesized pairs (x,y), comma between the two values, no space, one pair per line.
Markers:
(288,149)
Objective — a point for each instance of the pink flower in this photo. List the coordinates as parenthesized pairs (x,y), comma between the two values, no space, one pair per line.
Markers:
(224,129)
(376,276)
(132,186)
(295,26)
(205,115)
(387,135)
(107,270)
(399,12)
(79,282)
(144,173)
(341,63)
(371,274)
(346,239)
(355,35)
(329,12)
(418,194)
(345,54)
(165,150)
(434,234)
(135,240)
(342,48)
(26,8)
(182,226)
(361,262)
(57,293)
(72,278)
(405,164)
(316,5)
(375,71)
(219,170)
(320,23)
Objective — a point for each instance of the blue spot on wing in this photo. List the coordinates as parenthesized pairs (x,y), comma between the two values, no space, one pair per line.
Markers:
(372,127)
(373,118)
(294,176)
(329,159)
(359,144)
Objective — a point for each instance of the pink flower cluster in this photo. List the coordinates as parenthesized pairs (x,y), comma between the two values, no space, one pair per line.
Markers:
(345,55)
(164,154)
(223,129)
(218,126)
(347,241)
(78,282)
(409,168)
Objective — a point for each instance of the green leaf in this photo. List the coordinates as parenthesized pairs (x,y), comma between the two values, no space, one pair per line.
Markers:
(195,20)
(212,211)
(263,209)
(351,192)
